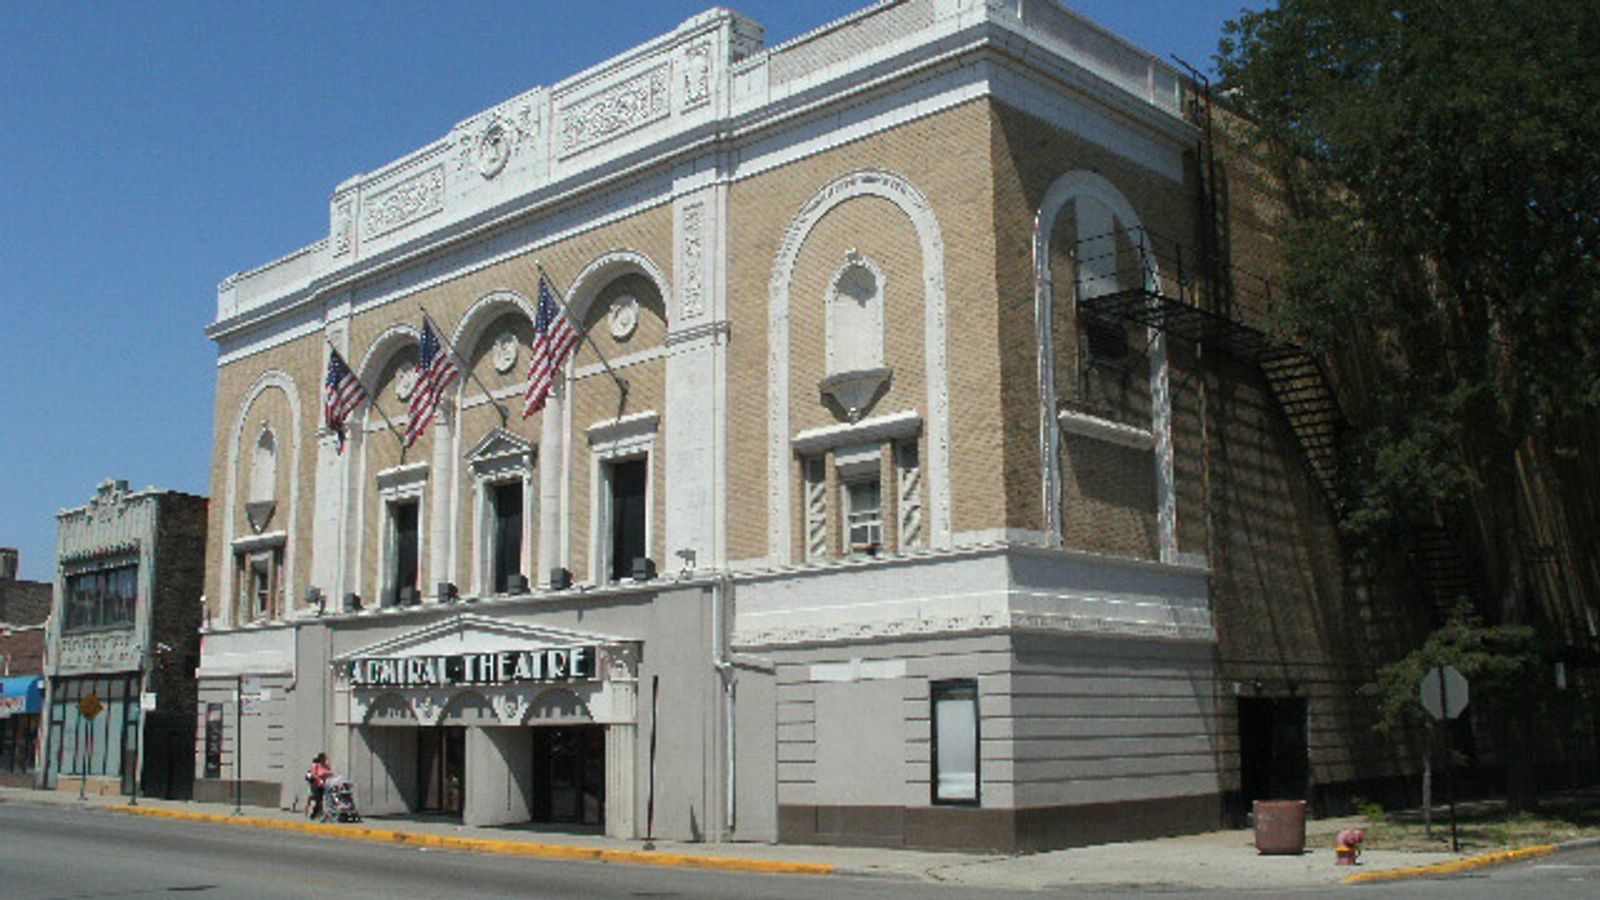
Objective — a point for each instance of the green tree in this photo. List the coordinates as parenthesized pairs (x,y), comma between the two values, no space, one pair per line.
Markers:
(1441,162)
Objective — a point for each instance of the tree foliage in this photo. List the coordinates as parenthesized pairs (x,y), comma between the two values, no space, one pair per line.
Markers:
(1503,664)
(1442,162)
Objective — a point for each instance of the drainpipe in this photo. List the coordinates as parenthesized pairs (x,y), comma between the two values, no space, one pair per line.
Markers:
(721,598)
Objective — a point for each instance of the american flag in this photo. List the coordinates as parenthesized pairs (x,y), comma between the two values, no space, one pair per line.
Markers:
(553,339)
(436,371)
(342,394)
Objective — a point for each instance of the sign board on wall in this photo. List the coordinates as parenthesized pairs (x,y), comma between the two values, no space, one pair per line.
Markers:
(101,652)
(476,669)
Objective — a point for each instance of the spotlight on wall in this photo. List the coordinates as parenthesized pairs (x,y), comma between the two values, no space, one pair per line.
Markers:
(448,592)
(644,568)
(315,599)
(352,602)
(687,554)
(560,579)
(517,584)
(410,596)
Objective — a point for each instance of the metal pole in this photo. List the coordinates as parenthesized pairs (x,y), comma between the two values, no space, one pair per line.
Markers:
(138,731)
(650,803)
(83,758)
(238,744)
(1449,763)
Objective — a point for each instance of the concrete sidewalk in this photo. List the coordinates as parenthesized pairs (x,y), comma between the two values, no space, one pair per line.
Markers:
(1221,859)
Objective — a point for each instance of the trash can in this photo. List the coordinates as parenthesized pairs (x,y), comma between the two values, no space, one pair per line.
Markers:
(1280,827)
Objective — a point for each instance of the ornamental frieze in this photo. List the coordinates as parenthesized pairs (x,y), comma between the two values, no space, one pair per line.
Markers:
(418,196)
(616,110)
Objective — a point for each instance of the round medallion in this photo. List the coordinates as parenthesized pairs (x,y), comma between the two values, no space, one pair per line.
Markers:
(624,317)
(504,354)
(494,149)
(405,381)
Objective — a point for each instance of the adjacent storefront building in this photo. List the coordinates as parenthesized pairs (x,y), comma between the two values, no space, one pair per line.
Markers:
(119,707)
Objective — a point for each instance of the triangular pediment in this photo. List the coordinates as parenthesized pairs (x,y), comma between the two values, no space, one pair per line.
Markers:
(475,633)
(500,444)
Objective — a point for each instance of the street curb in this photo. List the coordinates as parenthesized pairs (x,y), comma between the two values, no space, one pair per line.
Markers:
(506,848)
(1454,866)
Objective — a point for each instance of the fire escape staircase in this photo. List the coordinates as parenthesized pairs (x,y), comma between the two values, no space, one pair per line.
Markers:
(1165,298)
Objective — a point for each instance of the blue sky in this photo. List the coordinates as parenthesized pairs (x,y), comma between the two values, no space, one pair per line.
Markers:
(147,150)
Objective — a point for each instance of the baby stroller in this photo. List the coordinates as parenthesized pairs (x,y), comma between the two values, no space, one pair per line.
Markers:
(339,800)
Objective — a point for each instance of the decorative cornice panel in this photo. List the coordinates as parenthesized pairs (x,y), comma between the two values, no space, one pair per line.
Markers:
(616,110)
(416,198)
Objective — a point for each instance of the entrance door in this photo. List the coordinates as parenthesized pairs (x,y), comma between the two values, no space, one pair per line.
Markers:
(1273,763)
(441,769)
(569,775)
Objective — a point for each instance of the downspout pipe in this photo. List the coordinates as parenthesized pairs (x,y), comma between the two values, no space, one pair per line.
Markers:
(721,600)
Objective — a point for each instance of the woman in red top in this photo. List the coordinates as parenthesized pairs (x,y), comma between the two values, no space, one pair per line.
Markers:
(317,778)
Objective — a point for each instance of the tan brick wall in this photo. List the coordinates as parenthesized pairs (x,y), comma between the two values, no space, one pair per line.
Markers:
(942,155)
(302,361)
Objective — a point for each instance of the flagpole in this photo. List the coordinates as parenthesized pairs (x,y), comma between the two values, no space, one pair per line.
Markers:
(504,417)
(622,383)
(372,400)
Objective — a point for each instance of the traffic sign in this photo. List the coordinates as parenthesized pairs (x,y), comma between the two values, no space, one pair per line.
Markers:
(1444,692)
(90,706)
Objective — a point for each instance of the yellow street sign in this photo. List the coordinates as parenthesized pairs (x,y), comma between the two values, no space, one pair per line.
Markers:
(90,706)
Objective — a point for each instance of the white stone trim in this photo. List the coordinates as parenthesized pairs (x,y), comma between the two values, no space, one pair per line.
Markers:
(254,542)
(272,378)
(1086,425)
(501,457)
(898,190)
(876,430)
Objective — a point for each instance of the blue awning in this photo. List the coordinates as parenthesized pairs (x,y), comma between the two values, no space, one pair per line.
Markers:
(22,696)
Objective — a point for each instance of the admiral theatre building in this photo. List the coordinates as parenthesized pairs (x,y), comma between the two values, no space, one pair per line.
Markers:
(907,486)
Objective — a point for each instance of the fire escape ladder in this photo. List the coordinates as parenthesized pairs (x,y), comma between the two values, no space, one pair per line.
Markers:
(1440,567)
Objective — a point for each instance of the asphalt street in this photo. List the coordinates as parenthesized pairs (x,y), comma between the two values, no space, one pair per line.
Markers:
(66,853)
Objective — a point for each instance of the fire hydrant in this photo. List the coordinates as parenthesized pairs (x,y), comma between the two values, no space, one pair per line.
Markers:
(1349,846)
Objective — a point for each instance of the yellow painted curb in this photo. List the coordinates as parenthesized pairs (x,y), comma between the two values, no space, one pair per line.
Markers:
(1454,866)
(482,845)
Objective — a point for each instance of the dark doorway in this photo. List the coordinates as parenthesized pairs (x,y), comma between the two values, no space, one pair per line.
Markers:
(628,482)
(168,756)
(569,775)
(507,502)
(1273,762)
(441,769)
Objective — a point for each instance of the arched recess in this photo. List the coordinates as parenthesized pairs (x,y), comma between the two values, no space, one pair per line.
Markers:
(607,268)
(557,705)
(482,314)
(467,494)
(389,344)
(899,191)
(1069,188)
(272,379)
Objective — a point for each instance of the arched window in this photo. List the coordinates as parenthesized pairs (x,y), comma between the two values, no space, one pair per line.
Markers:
(855,317)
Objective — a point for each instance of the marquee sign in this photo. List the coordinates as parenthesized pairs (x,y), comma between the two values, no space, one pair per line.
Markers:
(475,669)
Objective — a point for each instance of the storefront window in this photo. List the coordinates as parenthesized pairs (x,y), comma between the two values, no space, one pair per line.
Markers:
(99,747)
(101,598)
